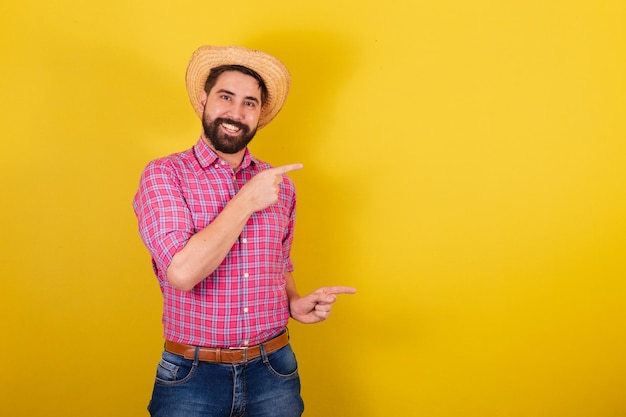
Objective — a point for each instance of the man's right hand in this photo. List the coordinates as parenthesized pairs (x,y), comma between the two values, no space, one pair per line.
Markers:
(262,190)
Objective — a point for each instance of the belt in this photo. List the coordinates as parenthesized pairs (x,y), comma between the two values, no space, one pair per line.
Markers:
(228,355)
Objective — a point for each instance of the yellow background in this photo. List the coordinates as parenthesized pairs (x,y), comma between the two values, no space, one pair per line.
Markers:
(465,164)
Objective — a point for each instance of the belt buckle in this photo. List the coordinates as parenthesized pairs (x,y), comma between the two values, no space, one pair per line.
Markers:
(244,350)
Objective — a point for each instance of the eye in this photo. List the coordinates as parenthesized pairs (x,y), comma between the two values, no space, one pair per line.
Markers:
(250,104)
(225,97)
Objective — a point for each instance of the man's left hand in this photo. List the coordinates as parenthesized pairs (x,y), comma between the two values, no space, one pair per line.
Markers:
(316,306)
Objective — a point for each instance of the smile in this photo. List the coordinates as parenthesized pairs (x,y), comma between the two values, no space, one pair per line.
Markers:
(230,128)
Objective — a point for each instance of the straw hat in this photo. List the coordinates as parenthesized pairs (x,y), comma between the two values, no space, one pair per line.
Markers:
(272,71)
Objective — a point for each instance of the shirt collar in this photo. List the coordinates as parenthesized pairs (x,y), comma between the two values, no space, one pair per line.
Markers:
(207,156)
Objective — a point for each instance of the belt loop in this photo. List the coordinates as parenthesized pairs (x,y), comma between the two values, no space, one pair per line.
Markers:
(196,356)
(245,355)
(263,353)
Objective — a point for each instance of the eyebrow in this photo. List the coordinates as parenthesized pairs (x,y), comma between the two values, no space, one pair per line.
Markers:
(222,90)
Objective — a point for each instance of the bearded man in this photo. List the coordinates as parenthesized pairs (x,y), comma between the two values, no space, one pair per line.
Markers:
(219,225)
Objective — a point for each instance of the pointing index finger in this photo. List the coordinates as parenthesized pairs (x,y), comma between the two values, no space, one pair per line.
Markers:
(287,168)
(340,290)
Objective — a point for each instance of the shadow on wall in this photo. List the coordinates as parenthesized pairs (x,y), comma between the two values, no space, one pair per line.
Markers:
(320,64)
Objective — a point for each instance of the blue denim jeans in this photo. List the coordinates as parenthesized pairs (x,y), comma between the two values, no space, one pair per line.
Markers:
(265,386)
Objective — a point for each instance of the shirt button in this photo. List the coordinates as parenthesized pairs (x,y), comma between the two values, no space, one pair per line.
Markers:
(245,310)
(223,162)
(246,342)
(246,275)
(244,240)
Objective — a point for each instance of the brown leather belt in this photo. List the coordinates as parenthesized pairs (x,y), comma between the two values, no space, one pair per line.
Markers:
(228,355)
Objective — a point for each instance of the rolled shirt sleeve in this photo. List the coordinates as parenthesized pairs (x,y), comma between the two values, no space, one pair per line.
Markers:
(164,219)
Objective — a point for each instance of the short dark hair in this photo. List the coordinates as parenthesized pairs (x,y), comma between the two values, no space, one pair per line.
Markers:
(217,71)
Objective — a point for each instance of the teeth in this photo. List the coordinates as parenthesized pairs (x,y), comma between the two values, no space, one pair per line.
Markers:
(229,127)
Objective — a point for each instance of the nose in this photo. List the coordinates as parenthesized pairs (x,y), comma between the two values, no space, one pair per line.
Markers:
(236,111)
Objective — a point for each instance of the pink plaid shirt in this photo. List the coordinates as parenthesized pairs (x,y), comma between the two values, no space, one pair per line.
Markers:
(243,302)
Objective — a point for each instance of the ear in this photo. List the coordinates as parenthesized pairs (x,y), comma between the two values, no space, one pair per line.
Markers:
(203,98)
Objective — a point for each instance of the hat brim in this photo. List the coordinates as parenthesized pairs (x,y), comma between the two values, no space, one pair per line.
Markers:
(272,71)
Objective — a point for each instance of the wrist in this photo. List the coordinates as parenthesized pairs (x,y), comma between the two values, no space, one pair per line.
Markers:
(292,299)
(242,205)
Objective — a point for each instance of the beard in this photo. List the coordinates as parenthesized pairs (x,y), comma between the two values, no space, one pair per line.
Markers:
(224,142)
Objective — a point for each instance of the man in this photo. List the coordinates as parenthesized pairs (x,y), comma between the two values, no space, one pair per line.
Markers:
(219,226)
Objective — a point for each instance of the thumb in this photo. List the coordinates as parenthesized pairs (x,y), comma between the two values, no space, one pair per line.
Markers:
(326,297)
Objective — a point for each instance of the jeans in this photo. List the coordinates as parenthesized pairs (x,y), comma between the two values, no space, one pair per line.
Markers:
(267,386)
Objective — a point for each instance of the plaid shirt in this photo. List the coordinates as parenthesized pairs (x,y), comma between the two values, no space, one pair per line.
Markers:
(243,302)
